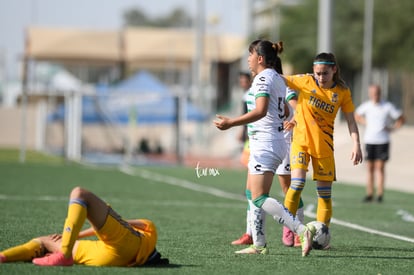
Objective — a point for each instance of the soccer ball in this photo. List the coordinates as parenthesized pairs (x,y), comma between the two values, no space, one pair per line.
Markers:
(322,235)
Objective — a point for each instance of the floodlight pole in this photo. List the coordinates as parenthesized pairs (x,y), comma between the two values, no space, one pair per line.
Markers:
(367,50)
(198,47)
(23,129)
(325,26)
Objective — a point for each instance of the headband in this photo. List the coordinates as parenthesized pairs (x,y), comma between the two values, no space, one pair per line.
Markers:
(323,63)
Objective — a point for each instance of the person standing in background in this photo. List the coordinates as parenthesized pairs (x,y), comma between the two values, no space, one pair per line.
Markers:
(380,118)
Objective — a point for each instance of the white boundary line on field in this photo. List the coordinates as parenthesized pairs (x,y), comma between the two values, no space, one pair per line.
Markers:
(309,213)
(223,194)
(181,183)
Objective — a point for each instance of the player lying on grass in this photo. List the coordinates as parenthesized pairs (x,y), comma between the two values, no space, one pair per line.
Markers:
(120,242)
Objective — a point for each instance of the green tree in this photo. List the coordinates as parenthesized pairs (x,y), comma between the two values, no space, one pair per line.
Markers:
(177,18)
(392,39)
(299,32)
(135,17)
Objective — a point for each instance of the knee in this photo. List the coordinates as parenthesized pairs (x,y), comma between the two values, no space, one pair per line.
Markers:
(78,192)
(258,202)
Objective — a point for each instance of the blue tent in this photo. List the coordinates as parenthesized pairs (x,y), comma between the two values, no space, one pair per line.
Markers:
(141,99)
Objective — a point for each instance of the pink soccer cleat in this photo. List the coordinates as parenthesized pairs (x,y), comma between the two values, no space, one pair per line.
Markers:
(2,258)
(245,239)
(287,236)
(54,259)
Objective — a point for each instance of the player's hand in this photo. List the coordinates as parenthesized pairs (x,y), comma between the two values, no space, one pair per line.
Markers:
(55,237)
(288,125)
(222,123)
(356,156)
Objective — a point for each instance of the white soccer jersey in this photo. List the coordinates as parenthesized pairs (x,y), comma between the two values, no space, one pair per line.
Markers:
(378,117)
(270,84)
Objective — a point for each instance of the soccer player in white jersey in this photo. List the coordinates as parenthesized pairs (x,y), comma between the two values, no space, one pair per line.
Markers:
(266,100)
(289,238)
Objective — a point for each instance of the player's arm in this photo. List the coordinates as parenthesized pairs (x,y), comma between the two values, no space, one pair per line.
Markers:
(292,100)
(91,231)
(138,223)
(356,155)
(224,123)
(86,233)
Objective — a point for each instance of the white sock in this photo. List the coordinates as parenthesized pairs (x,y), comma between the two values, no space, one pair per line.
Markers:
(257,222)
(280,214)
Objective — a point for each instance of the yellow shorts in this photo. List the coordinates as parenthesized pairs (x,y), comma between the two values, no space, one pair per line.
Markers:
(323,168)
(148,241)
(118,244)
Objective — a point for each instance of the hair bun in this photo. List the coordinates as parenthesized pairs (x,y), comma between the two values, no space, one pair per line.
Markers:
(278,47)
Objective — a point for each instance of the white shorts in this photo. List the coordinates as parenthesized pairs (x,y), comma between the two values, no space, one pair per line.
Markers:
(284,167)
(266,156)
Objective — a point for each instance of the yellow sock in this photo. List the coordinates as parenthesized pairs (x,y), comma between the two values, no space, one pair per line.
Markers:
(292,197)
(25,252)
(324,212)
(73,225)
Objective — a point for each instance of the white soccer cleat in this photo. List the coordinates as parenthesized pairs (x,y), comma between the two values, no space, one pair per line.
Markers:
(306,239)
(254,250)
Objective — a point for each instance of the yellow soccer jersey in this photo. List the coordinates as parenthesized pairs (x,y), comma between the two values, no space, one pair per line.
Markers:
(315,113)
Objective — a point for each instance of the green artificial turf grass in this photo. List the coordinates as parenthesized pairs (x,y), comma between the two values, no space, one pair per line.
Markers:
(195,226)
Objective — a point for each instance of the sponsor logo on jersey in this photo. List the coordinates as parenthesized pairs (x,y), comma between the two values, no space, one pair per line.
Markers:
(334,98)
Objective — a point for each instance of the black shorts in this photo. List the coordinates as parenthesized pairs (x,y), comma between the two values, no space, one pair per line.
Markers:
(377,151)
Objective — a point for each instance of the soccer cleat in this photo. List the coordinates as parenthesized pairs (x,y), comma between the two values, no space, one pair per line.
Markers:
(245,239)
(367,199)
(254,250)
(296,242)
(287,236)
(306,239)
(54,259)
(2,258)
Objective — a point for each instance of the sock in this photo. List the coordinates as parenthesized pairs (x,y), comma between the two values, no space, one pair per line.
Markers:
(73,225)
(300,213)
(25,252)
(324,211)
(249,199)
(280,214)
(301,204)
(292,198)
(257,222)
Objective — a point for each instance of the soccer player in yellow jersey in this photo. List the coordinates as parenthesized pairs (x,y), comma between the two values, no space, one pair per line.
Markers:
(120,242)
(320,96)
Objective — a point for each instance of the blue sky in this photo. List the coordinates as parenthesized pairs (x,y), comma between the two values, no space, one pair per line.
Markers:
(16,15)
